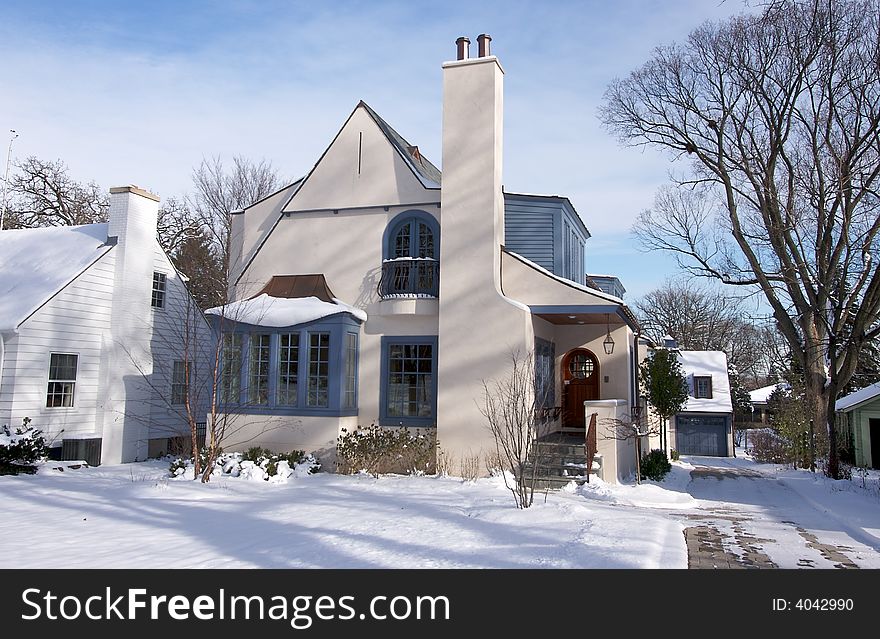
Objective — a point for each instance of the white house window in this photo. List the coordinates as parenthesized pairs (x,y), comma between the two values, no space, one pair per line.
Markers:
(62,380)
(158,298)
(319,369)
(258,388)
(410,381)
(288,363)
(703,387)
(230,373)
(179,383)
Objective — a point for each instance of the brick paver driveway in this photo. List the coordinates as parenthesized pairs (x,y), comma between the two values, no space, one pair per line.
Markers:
(747,519)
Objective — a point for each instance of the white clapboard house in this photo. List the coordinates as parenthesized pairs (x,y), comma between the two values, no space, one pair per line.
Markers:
(99,335)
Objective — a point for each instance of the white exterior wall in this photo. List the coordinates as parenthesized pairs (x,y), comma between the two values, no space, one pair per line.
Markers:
(76,321)
(179,332)
(246,238)
(618,455)
(342,179)
(282,434)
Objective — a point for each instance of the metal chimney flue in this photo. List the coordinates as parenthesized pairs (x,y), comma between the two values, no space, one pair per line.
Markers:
(483,41)
(464,46)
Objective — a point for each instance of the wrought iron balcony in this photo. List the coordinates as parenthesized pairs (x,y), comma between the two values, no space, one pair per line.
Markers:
(410,277)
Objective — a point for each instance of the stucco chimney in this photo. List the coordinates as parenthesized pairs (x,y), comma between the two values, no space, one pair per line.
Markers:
(483,41)
(463,48)
(471,195)
(471,348)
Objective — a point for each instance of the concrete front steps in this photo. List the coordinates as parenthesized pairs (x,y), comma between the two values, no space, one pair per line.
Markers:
(553,464)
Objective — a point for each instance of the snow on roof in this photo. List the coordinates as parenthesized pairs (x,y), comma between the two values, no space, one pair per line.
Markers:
(858,397)
(37,263)
(264,310)
(761,395)
(707,363)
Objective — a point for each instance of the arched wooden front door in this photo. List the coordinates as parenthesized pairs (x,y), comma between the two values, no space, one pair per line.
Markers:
(580,383)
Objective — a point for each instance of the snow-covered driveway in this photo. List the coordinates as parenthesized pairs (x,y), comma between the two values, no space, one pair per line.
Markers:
(752,515)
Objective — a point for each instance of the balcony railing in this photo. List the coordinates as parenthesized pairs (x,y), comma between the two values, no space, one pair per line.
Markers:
(410,277)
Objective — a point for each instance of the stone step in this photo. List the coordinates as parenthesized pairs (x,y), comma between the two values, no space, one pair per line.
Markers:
(559,449)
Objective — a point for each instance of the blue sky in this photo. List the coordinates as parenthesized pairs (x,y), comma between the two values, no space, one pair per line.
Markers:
(141,92)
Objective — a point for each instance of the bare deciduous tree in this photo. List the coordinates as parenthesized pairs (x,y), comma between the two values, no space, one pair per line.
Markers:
(43,194)
(219,192)
(777,116)
(703,319)
(176,224)
(511,407)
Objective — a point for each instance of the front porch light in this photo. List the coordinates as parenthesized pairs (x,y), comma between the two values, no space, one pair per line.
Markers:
(608,343)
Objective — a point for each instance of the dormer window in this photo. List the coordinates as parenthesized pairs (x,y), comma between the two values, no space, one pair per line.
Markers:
(410,267)
(703,387)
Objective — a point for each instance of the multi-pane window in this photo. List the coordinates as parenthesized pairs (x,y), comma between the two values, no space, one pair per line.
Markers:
(230,368)
(158,298)
(293,371)
(179,382)
(351,349)
(62,380)
(258,382)
(703,387)
(319,370)
(413,238)
(288,364)
(410,383)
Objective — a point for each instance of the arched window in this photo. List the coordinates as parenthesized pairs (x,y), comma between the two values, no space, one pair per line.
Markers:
(411,251)
(413,237)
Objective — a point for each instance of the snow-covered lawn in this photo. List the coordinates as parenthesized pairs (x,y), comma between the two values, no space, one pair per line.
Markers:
(135,515)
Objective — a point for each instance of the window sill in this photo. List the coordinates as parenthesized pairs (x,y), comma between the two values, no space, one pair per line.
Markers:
(287,411)
(408,422)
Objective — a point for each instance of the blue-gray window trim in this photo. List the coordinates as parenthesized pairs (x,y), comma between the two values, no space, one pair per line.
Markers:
(399,219)
(386,342)
(337,326)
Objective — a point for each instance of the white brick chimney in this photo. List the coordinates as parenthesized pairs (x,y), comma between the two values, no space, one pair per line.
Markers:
(127,359)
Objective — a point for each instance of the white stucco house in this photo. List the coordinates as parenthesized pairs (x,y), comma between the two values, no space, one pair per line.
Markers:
(705,425)
(98,334)
(388,292)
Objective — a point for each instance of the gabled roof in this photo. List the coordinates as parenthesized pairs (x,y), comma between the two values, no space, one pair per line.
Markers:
(858,397)
(428,173)
(35,264)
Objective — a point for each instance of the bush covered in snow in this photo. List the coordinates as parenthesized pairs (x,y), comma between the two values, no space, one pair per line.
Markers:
(655,465)
(376,449)
(257,463)
(21,448)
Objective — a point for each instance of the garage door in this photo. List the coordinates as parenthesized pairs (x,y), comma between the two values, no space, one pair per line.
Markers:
(701,435)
